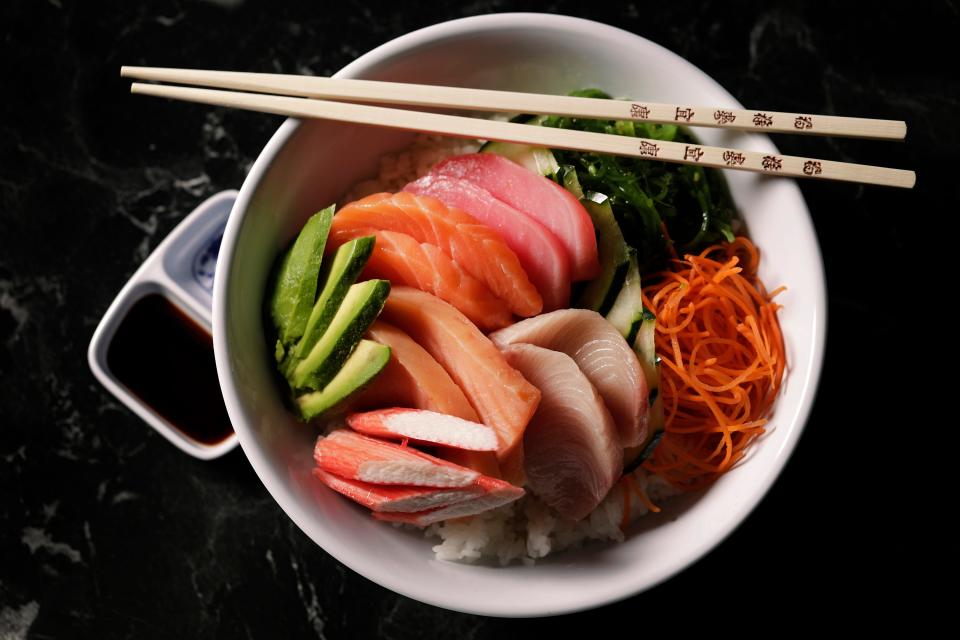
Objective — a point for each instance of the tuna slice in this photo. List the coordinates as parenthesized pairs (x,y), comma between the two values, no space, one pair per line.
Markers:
(400,259)
(499,394)
(543,200)
(476,247)
(541,254)
(396,498)
(413,378)
(353,456)
(498,493)
(572,453)
(601,353)
(426,427)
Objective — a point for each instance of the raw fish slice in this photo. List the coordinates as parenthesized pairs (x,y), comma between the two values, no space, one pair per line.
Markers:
(542,199)
(413,378)
(572,453)
(601,353)
(477,248)
(428,427)
(498,494)
(396,498)
(541,254)
(402,260)
(499,394)
(353,456)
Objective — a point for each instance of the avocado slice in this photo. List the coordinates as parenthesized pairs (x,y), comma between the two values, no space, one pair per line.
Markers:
(613,252)
(366,361)
(359,308)
(347,264)
(295,286)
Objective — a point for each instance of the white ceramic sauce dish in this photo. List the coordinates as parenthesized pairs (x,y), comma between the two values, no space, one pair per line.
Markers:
(308,165)
(181,270)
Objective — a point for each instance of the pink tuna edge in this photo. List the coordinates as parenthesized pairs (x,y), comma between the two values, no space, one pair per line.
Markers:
(382,424)
(497,175)
(540,252)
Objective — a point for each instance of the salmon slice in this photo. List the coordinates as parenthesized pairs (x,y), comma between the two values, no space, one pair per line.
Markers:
(601,353)
(353,456)
(498,493)
(543,200)
(541,254)
(499,394)
(413,378)
(476,247)
(572,452)
(396,498)
(427,427)
(400,259)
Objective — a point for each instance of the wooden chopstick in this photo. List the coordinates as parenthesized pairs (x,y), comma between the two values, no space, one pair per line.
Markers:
(421,95)
(463,127)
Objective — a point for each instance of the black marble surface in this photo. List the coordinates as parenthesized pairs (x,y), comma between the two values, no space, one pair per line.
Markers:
(106,530)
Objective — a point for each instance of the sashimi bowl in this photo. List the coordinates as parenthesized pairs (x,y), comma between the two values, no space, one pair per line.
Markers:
(308,165)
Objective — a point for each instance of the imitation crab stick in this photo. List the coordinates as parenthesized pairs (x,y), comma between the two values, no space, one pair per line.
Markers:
(473,245)
(353,456)
(497,493)
(428,427)
(498,392)
(396,498)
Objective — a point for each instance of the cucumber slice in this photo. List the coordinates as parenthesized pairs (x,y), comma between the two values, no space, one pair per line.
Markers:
(538,159)
(638,325)
(645,347)
(570,181)
(626,314)
(366,361)
(360,307)
(295,285)
(347,264)
(613,252)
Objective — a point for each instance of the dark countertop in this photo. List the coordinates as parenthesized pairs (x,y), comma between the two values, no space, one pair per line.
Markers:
(106,530)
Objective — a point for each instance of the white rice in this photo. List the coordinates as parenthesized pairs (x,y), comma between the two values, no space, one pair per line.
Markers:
(397,169)
(527,529)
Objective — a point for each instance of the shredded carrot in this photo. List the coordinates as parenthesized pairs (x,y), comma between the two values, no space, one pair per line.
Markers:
(404,443)
(644,498)
(722,361)
(628,486)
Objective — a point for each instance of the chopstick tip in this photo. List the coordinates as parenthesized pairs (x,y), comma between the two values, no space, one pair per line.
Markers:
(911,180)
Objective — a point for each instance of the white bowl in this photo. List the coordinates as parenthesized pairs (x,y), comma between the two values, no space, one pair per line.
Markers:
(308,165)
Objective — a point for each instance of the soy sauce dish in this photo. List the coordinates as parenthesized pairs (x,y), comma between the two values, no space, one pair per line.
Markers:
(309,164)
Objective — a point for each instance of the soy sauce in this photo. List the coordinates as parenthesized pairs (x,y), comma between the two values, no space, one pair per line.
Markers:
(166,359)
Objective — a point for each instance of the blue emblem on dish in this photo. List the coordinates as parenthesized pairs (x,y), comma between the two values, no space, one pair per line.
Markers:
(205,261)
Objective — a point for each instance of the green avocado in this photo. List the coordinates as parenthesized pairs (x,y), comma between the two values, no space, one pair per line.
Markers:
(347,264)
(360,307)
(295,286)
(366,361)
